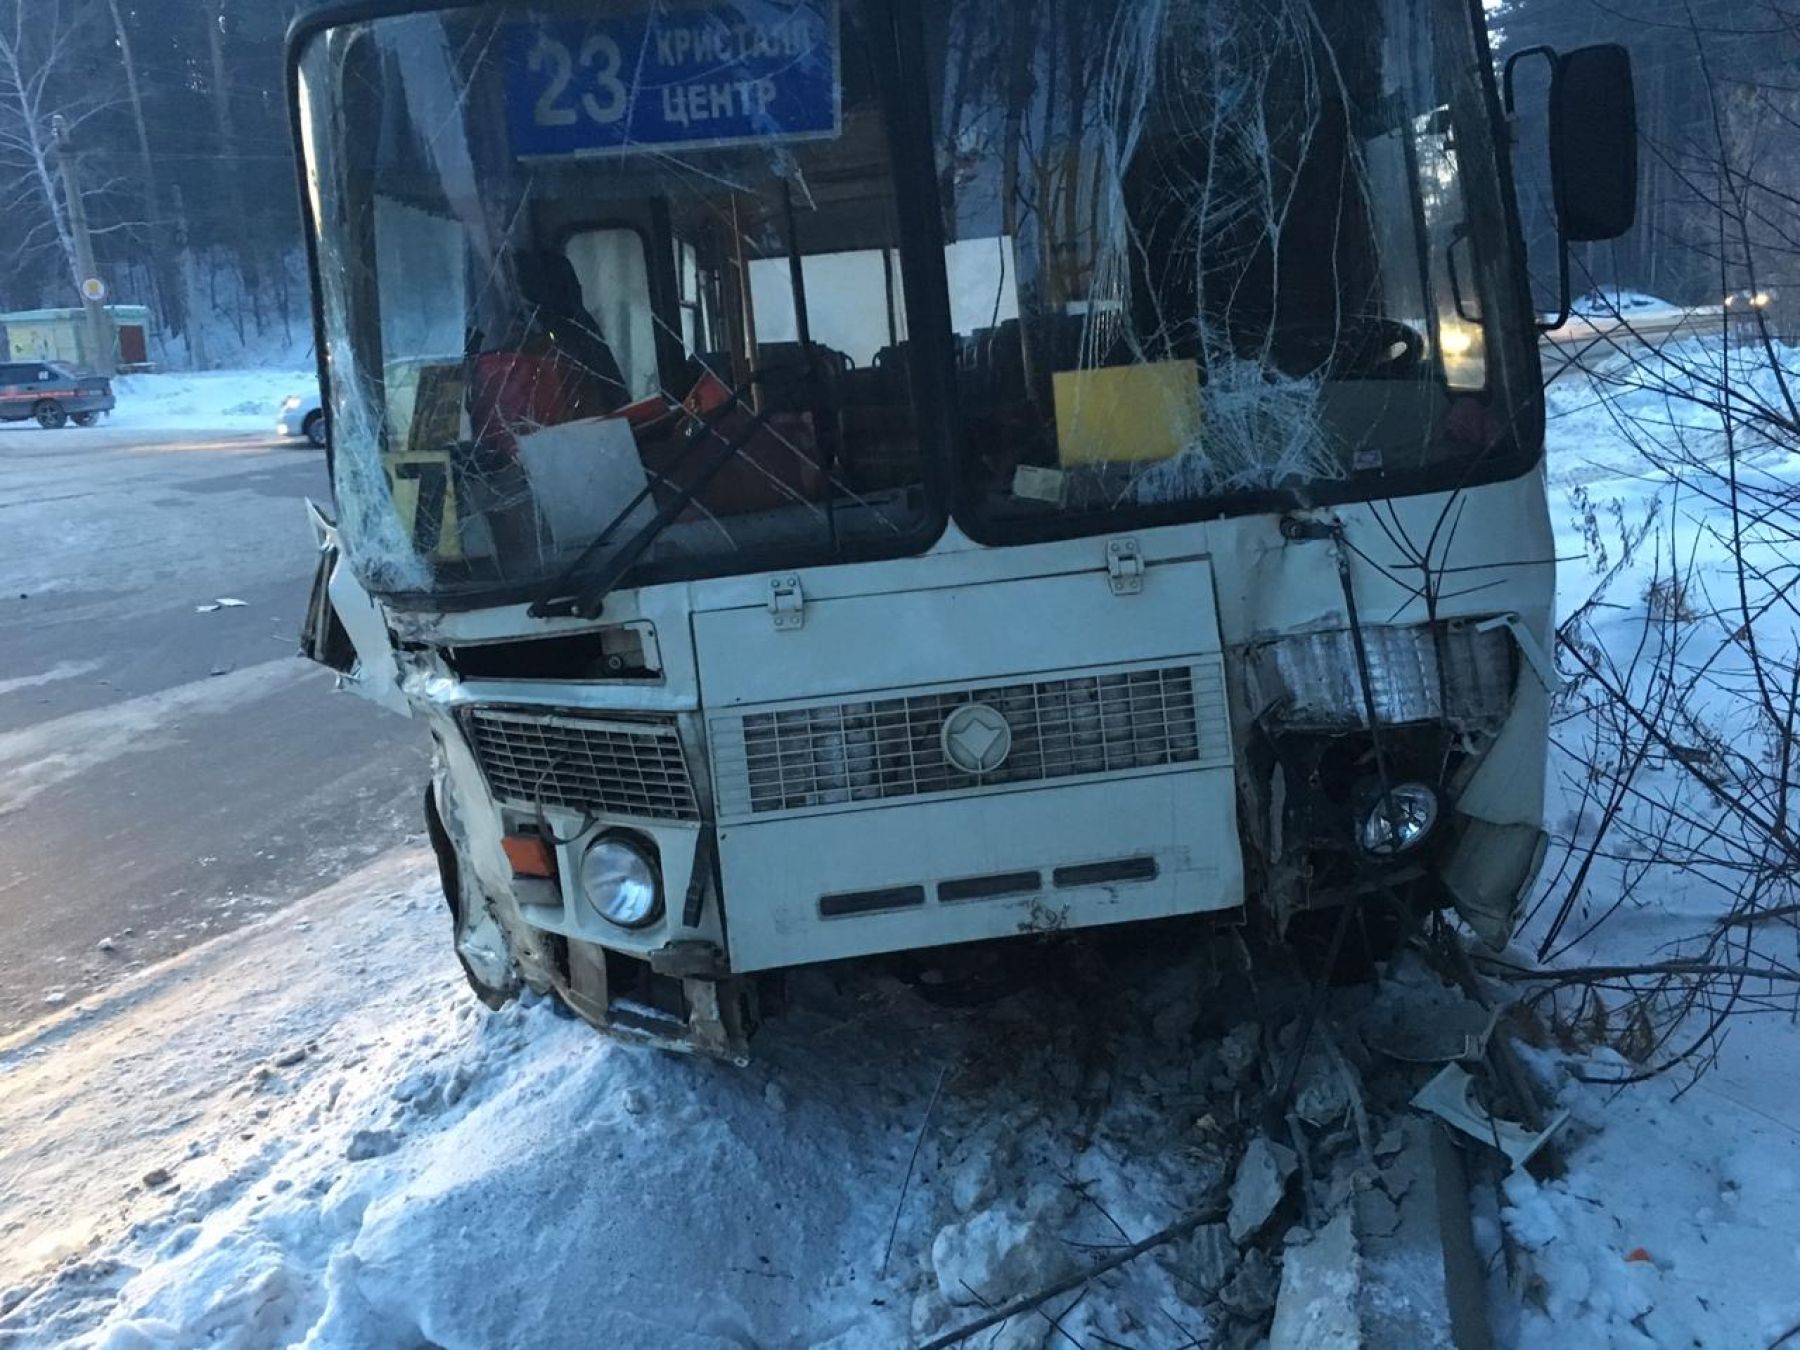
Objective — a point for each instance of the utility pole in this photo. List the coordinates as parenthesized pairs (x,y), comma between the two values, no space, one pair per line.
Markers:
(197,314)
(99,331)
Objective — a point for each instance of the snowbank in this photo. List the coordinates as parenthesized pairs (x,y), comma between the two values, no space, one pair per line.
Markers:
(221,400)
(311,1134)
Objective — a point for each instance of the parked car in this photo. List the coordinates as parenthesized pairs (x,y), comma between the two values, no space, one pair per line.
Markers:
(52,393)
(302,415)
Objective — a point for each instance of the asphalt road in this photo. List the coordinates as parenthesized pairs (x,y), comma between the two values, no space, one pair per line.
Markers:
(168,770)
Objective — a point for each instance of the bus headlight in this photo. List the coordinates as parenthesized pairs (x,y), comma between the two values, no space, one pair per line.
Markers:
(1400,820)
(620,880)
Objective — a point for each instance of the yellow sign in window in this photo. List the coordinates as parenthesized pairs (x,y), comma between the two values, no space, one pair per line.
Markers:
(1148,411)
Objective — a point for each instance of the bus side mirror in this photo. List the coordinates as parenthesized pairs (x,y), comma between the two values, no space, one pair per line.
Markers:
(1594,143)
(1593,149)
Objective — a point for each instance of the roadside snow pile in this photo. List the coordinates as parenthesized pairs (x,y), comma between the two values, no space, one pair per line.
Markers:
(1674,1224)
(309,1134)
(219,400)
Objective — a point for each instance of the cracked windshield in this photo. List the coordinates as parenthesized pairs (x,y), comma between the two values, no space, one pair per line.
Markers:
(1192,253)
(659,297)
(1225,250)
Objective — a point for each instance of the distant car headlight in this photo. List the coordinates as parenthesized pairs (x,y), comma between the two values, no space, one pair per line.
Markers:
(1400,820)
(619,878)
(291,402)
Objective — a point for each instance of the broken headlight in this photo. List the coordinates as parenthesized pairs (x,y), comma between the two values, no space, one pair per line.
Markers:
(1398,820)
(1417,673)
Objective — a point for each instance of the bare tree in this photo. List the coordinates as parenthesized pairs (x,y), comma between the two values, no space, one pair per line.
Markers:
(1679,728)
(248,267)
(170,291)
(43,75)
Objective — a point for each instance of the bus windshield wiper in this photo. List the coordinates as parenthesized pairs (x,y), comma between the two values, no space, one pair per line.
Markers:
(586,602)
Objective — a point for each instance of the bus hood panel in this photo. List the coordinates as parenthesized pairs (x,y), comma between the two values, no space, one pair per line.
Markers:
(927,874)
(1087,716)
(954,635)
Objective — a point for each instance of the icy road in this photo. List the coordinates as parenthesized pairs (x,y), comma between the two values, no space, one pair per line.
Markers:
(168,767)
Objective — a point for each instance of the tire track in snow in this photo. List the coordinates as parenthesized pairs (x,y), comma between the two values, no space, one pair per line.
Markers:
(62,670)
(53,752)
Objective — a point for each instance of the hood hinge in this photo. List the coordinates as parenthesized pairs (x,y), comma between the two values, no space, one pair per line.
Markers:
(787,602)
(1124,566)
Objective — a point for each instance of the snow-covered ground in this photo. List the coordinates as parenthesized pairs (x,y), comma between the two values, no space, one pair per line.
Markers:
(214,400)
(1675,1224)
(1609,302)
(309,1134)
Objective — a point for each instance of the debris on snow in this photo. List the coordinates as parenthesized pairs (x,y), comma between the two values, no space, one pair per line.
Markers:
(1206,1258)
(1450,1096)
(156,1176)
(1316,1308)
(1250,1292)
(1259,1187)
(1241,1050)
(995,1255)
(1323,1096)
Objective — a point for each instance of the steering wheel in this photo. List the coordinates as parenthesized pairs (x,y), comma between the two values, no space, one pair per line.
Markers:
(1351,348)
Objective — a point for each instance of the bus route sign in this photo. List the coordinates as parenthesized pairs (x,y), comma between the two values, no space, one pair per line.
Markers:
(724,74)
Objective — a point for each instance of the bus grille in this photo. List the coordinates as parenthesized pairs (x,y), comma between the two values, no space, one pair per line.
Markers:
(877,749)
(599,766)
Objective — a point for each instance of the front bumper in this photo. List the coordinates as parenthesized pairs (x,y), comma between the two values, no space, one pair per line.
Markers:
(811,818)
(291,423)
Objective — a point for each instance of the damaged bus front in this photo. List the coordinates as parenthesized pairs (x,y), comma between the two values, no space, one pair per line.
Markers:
(841,477)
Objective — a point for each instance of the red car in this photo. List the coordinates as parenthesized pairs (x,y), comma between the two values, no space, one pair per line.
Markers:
(53,394)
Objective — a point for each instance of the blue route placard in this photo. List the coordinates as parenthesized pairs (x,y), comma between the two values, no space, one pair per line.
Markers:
(721,74)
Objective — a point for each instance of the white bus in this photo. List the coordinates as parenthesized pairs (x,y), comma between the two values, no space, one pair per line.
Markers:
(843,477)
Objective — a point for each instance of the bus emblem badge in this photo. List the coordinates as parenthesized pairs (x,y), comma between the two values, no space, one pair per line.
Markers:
(976,738)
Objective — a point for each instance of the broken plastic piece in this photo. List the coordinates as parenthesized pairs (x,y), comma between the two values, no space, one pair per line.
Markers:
(1450,1097)
(1535,656)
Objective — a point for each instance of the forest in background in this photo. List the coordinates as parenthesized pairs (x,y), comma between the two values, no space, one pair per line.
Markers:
(175,113)
(1718,91)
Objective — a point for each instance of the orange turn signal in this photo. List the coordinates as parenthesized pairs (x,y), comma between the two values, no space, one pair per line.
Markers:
(529,855)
